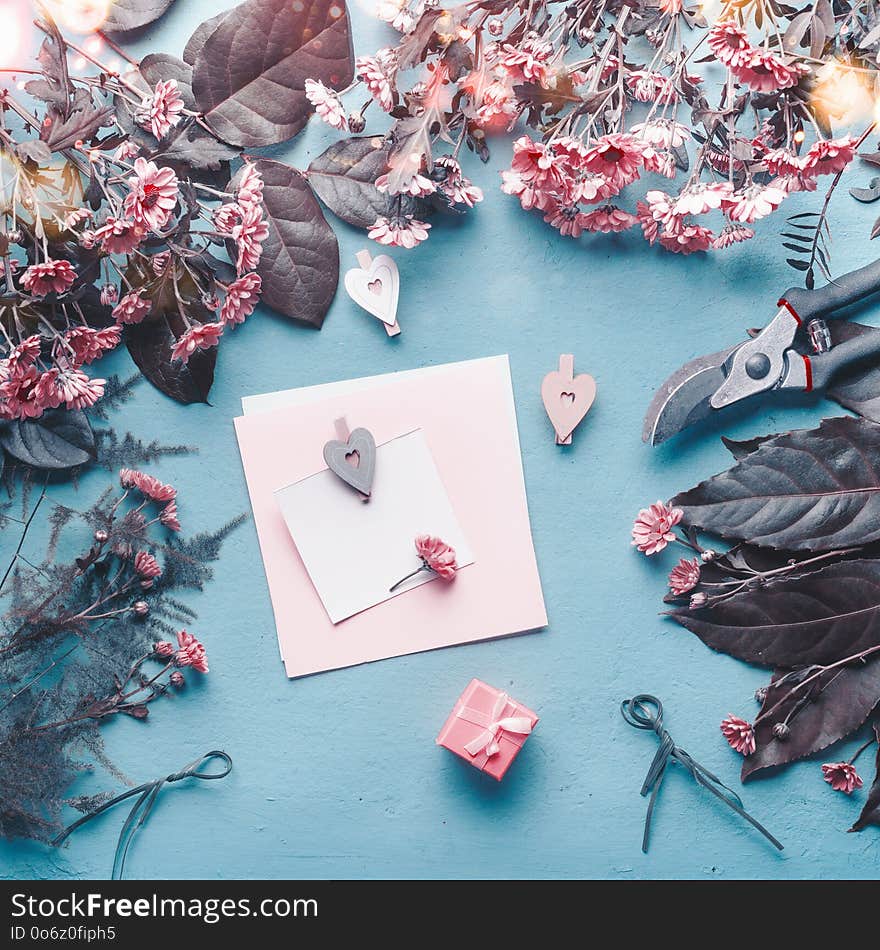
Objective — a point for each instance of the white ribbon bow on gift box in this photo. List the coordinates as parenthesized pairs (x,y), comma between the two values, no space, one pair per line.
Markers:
(494,725)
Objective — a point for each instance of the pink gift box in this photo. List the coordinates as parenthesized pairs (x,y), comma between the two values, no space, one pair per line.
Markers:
(487,728)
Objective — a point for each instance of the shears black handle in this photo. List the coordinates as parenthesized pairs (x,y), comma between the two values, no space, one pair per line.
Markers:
(834,296)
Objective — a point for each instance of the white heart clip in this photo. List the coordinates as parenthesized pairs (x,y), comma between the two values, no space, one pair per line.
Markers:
(375,286)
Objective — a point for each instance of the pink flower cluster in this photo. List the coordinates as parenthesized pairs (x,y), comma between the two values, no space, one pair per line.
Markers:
(757,67)
(189,652)
(153,490)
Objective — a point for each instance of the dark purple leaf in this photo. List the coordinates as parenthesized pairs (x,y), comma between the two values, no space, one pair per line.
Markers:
(343,177)
(59,439)
(826,710)
(808,490)
(156,66)
(870,814)
(740,449)
(195,43)
(248,77)
(857,389)
(47,91)
(35,151)
(820,617)
(300,261)
(413,47)
(869,194)
(127,15)
(83,122)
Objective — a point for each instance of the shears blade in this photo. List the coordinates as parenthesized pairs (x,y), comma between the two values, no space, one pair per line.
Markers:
(684,398)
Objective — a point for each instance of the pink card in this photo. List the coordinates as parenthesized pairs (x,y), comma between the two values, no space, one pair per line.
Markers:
(466,414)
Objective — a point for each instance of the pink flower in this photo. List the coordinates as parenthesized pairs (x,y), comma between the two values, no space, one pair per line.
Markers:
(650,224)
(753,202)
(765,72)
(13,266)
(402,231)
(684,576)
(418,186)
(662,133)
(647,86)
(119,235)
(146,565)
(148,485)
(87,344)
(249,235)
(567,219)
(127,150)
(729,43)
(740,734)
(830,156)
(162,110)
(163,648)
(250,187)
(671,7)
(616,157)
(77,217)
(609,219)
(168,516)
(659,162)
(377,74)
(132,308)
(701,198)
(779,161)
(190,652)
(326,103)
(457,188)
(49,277)
(109,294)
(200,337)
(842,777)
(732,234)
(652,530)
(527,63)
(437,556)
(87,239)
(688,239)
(77,390)
(242,296)
(153,195)
(159,262)
(226,217)
(27,394)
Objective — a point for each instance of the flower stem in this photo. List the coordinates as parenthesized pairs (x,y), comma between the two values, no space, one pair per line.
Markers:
(418,570)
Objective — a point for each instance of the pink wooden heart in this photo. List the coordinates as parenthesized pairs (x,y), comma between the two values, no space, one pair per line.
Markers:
(567,399)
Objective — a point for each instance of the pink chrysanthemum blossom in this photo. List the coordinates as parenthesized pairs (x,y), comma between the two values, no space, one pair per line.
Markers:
(527,63)
(119,235)
(377,73)
(147,485)
(701,198)
(25,354)
(400,231)
(153,195)
(27,393)
(662,133)
(200,337)
(842,777)
(159,262)
(418,186)
(250,187)
(616,157)
(780,161)
(242,296)
(740,734)
(127,150)
(13,266)
(132,308)
(226,217)
(77,390)
(732,234)
(729,43)
(684,576)
(652,530)
(495,102)
(49,277)
(753,202)
(457,188)
(109,295)
(163,648)
(567,219)
(830,156)
(589,187)
(146,565)
(326,103)
(437,555)
(766,72)
(688,239)
(190,652)
(647,86)
(609,219)
(650,224)
(86,344)
(76,217)
(659,162)
(249,235)
(162,110)
(663,209)
(168,516)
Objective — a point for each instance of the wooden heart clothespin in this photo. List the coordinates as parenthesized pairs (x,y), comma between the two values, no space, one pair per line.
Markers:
(567,398)
(375,286)
(352,457)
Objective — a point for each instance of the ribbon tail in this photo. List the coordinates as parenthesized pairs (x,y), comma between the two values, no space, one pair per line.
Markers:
(130,827)
(483,740)
(521,725)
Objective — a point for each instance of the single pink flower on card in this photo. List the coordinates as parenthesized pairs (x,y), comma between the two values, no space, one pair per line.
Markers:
(740,735)
(242,296)
(190,652)
(437,555)
(153,195)
(200,337)
(49,277)
(652,530)
(146,565)
(842,777)
(684,576)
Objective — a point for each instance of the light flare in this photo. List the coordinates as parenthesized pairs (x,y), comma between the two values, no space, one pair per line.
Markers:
(79,16)
(841,93)
(12,16)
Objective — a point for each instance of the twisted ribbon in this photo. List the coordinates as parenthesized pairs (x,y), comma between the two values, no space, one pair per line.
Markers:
(147,795)
(646,712)
(494,725)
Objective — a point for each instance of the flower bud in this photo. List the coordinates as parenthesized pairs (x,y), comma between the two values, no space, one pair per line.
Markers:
(109,294)
(495,27)
(15,236)
(761,694)
(163,648)
(356,122)
(708,555)
(101,536)
(698,600)
(141,608)
(781,731)
(177,679)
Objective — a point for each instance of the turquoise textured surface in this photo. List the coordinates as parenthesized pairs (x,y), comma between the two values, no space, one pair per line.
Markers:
(337,775)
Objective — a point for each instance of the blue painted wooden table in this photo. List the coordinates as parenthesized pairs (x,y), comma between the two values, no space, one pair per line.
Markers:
(337,775)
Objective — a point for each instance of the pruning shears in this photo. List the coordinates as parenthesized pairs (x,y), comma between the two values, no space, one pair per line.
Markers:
(793,352)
